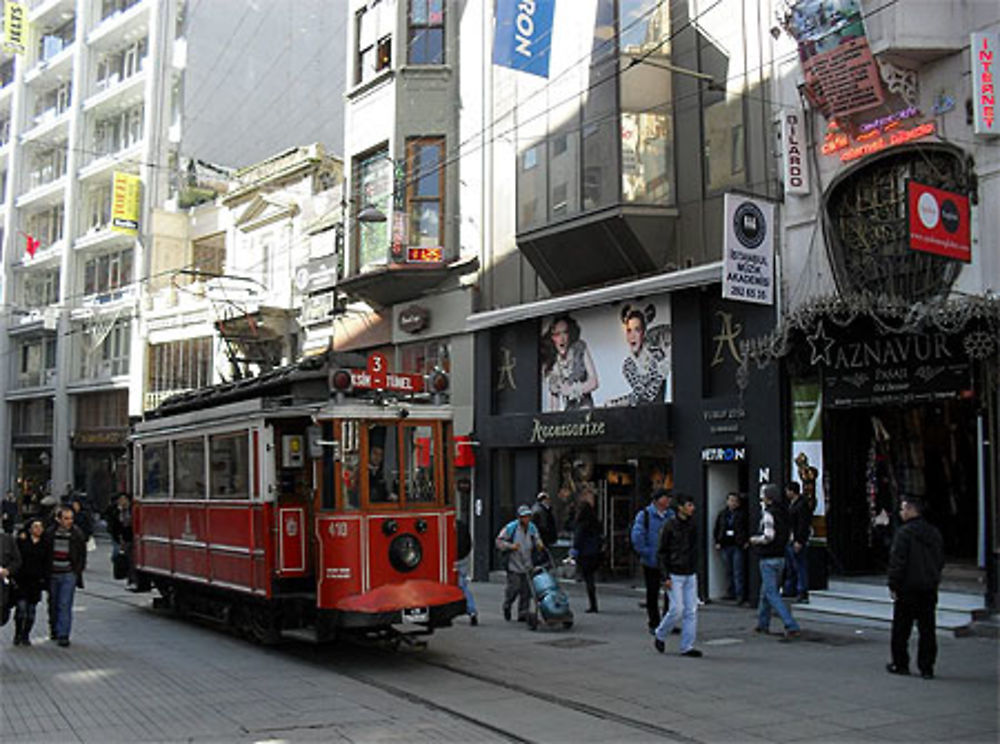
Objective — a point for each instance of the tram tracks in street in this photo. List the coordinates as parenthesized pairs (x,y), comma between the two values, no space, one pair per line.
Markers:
(401,679)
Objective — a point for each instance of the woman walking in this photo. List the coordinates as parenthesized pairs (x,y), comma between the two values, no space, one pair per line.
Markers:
(587,544)
(30,580)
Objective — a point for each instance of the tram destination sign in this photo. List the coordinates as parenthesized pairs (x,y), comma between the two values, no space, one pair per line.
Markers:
(376,376)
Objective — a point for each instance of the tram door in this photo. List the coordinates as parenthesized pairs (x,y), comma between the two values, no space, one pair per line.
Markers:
(293,504)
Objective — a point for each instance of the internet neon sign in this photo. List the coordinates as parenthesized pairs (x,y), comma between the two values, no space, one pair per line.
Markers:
(874,139)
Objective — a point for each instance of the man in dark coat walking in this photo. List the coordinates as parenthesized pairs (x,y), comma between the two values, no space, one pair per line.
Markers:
(915,562)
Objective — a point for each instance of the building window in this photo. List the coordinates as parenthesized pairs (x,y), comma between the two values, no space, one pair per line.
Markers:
(373,188)
(36,362)
(425,191)
(41,288)
(373,27)
(106,351)
(425,38)
(423,357)
(118,132)
(176,367)
(99,208)
(47,227)
(107,273)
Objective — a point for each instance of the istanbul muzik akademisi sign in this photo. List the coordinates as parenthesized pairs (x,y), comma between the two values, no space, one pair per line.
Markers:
(748,250)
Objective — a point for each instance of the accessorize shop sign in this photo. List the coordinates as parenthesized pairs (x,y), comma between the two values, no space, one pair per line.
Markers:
(125,192)
(984,47)
(748,248)
(15,27)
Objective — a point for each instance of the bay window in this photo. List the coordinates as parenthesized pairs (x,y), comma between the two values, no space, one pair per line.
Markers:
(425,192)
(425,35)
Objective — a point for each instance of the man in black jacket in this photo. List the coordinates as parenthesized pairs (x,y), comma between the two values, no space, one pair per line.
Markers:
(544,519)
(731,540)
(915,563)
(678,554)
(800,524)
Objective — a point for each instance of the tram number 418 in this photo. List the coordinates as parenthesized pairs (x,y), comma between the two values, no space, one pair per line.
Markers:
(338,529)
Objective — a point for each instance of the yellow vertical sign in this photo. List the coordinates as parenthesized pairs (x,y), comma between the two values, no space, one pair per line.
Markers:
(125,203)
(15,27)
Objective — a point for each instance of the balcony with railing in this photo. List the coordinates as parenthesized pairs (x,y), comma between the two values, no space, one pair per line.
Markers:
(50,117)
(119,19)
(114,138)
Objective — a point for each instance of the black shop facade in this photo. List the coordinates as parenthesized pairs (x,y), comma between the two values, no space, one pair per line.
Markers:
(611,400)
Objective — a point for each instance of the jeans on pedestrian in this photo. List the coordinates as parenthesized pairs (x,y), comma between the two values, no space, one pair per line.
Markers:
(797,571)
(683,605)
(770,573)
(462,567)
(733,556)
(62,587)
(517,586)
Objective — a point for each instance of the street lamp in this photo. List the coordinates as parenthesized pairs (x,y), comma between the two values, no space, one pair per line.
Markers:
(371,214)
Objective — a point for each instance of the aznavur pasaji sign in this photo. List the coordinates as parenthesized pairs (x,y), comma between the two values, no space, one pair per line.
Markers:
(889,369)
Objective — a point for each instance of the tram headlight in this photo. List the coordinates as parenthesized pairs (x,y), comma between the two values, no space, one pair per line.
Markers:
(389,527)
(405,553)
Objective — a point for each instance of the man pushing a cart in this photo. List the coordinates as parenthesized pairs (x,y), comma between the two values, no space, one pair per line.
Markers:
(516,541)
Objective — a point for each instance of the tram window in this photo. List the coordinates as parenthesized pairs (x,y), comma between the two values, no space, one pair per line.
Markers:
(189,469)
(230,469)
(383,464)
(155,471)
(350,465)
(421,463)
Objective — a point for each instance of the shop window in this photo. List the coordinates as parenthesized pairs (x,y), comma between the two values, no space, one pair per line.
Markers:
(425,38)
(189,468)
(425,191)
(230,472)
(424,357)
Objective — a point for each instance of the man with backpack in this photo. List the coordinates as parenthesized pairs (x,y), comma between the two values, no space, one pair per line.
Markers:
(516,542)
(645,537)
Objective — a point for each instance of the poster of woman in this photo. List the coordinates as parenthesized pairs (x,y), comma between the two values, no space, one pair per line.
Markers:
(617,355)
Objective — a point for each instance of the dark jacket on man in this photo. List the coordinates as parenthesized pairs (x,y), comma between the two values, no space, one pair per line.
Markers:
(678,551)
(77,552)
(775,548)
(731,520)
(916,557)
(800,520)
(545,521)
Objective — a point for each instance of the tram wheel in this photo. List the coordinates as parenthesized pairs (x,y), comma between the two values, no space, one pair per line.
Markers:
(260,623)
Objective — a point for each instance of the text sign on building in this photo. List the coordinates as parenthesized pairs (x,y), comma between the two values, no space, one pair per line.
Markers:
(125,203)
(938,221)
(15,27)
(796,166)
(984,69)
(748,250)
(523,35)
(724,454)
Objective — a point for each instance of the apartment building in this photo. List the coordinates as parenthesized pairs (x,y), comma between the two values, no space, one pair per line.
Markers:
(145,91)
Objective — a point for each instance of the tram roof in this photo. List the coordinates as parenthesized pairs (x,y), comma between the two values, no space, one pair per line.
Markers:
(301,383)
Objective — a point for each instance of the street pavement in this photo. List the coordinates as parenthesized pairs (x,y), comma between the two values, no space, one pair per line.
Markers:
(134,674)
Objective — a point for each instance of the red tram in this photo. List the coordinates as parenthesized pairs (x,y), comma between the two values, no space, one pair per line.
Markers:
(313,501)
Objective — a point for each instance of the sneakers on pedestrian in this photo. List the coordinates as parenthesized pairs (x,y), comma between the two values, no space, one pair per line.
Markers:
(693,653)
(791,635)
(659,645)
(893,669)
(64,642)
(473,619)
(761,631)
